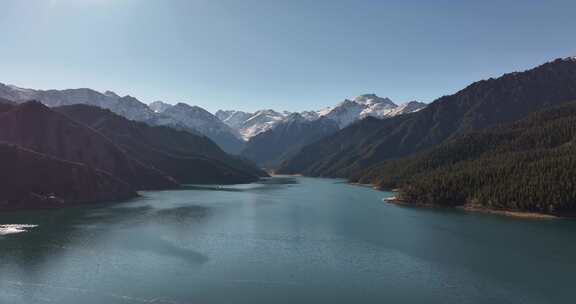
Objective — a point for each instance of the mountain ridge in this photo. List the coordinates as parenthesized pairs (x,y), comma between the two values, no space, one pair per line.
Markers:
(131,108)
(343,113)
(34,126)
(479,105)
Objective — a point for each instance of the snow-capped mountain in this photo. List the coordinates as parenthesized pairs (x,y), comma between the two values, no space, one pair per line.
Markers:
(272,147)
(349,111)
(249,125)
(126,106)
(405,108)
(343,114)
(181,116)
(229,129)
(261,121)
(206,123)
(233,118)
(159,106)
(197,118)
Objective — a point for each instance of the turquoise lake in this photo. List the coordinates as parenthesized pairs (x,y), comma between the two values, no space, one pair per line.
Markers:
(283,240)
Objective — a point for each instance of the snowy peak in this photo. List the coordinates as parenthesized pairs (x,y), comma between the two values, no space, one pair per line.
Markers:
(343,114)
(261,121)
(159,106)
(111,94)
(295,118)
(349,111)
(185,110)
(198,119)
(181,116)
(386,112)
(14,93)
(411,106)
(126,106)
(233,118)
(310,115)
(373,99)
(251,124)
(133,109)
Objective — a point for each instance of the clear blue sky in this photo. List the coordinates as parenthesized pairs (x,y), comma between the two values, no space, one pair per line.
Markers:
(290,54)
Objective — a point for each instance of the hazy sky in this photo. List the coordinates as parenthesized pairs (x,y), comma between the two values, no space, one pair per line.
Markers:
(286,55)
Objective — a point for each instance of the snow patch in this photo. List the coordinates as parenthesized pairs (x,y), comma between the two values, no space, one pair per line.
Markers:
(15,228)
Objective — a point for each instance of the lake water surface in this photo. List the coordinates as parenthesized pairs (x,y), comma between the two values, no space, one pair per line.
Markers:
(284,240)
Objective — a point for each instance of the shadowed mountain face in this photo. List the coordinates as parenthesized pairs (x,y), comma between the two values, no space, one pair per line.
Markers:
(480,105)
(187,157)
(34,126)
(270,148)
(33,180)
(526,165)
(5,105)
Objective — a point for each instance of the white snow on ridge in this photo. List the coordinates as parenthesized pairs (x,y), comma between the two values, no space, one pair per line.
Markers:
(344,113)
(261,121)
(159,106)
(15,228)
(238,124)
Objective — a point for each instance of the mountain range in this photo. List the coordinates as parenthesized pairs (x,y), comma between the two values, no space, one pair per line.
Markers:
(183,116)
(344,113)
(480,105)
(231,130)
(500,143)
(91,154)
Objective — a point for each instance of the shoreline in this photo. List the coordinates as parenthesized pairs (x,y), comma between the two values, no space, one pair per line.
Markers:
(510,213)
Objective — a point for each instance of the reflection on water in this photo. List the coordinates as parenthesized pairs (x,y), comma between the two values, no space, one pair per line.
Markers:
(266,184)
(282,240)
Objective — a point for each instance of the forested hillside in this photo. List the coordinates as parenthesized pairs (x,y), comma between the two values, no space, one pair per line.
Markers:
(528,165)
